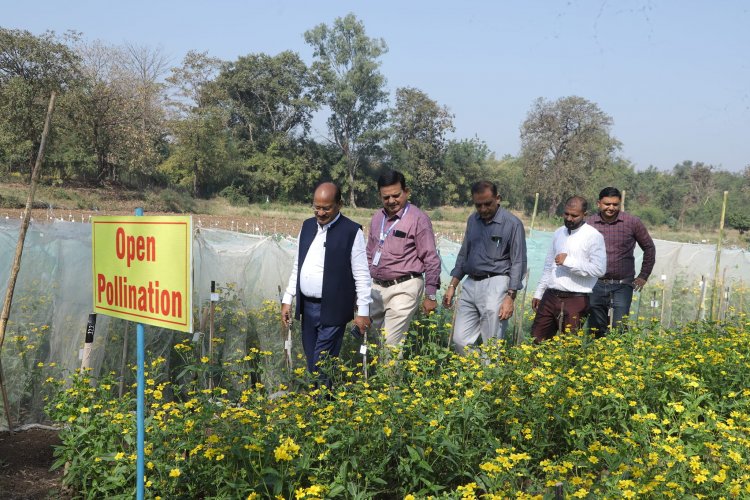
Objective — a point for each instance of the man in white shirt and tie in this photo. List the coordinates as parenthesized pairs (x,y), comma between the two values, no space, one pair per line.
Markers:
(330,277)
(577,258)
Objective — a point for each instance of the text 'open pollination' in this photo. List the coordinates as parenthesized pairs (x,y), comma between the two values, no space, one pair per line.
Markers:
(143,269)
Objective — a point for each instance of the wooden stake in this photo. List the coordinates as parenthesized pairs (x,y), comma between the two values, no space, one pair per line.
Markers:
(16,267)
(533,214)
(714,290)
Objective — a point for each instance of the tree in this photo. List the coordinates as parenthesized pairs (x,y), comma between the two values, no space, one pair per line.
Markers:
(94,113)
(31,67)
(268,96)
(203,155)
(465,162)
(346,68)
(418,128)
(739,221)
(562,144)
(145,135)
(692,186)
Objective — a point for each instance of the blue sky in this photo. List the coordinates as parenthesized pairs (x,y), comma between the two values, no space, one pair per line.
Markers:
(673,75)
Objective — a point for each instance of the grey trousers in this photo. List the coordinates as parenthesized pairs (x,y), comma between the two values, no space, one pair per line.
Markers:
(477,312)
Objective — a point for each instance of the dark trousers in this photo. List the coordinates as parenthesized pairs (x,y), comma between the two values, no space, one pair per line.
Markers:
(547,321)
(318,340)
(619,296)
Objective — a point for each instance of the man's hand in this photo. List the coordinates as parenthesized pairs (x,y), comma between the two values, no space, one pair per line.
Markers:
(363,323)
(560,258)
(429,305)
(448,297)
(286,314)
(638,284)
(535,304)
(506,308)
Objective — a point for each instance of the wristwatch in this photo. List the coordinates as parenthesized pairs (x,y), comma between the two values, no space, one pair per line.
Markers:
(512,294)
(432,297)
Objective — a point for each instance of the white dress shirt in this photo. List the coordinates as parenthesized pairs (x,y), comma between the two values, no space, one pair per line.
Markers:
(311,274)
(585,262)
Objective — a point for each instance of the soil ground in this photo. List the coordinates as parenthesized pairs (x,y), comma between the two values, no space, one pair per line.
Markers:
(25,460)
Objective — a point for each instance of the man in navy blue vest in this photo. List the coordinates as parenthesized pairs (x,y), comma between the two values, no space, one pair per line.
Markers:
(330,278)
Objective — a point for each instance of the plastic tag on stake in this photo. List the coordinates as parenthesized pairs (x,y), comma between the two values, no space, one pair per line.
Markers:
(363,349)
(288,345)
(214,297)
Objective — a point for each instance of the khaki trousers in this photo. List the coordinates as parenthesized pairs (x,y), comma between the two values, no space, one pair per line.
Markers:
(393,308)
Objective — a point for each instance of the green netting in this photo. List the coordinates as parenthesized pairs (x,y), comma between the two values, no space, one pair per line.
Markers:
(53,298)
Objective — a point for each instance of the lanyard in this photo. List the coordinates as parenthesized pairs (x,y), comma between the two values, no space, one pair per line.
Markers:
(384,235)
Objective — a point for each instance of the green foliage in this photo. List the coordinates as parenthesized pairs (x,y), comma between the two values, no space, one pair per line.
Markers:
(739,221)
(417,144)
(170,200)
(346,68)
(234,196)
(268,97)
(563,143)
(31,67)
(650,215)
(503,421)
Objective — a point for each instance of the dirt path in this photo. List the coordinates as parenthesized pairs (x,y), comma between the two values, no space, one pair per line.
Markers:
(25,460)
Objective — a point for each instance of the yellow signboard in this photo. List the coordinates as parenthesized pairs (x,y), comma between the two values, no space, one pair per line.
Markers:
(143,268)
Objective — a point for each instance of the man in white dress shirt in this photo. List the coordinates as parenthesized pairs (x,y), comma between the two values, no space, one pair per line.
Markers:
(577,258)
(330,278)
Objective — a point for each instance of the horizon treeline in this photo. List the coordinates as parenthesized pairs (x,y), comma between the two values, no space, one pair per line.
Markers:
(243,129)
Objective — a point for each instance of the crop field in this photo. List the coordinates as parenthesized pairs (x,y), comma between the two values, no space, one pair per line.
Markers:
(657,413)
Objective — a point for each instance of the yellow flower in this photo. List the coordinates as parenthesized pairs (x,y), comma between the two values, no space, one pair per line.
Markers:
(286,450)
(388,431)
(174,473)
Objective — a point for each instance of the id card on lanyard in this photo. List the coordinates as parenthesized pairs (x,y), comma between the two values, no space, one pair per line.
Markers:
(384,234)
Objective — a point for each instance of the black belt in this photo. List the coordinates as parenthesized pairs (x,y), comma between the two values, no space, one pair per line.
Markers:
(615,282)
(564,295)
(480,277)
(396,281)
(314,300)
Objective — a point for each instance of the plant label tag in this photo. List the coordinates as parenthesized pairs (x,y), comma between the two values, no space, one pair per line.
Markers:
(214,297)
(196,336)
(363,349)
(376,258)
(288,345)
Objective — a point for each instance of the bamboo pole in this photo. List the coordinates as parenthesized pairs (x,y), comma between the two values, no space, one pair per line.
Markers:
(533,214)
(622,201)
(714,290)
(16,267)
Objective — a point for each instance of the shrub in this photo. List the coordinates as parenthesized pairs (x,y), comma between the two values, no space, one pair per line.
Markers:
(170,200)
(234,196)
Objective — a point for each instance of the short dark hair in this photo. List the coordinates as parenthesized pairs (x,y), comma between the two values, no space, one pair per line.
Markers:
(336,194)
(578,199)
(482,186)
(610,192)
(390,178)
